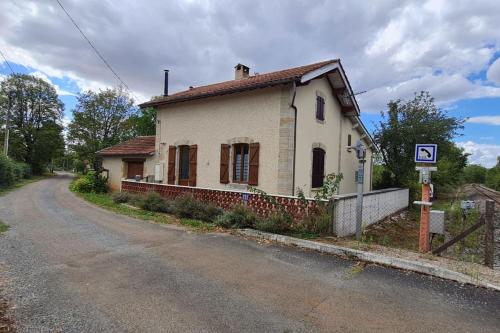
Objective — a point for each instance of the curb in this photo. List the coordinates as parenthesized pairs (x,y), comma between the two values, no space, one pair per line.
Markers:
(414,266)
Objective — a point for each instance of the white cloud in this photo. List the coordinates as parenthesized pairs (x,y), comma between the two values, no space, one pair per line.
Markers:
(444,88)
(481,153)
(60,92)
(390,48)
(486,120)
(493,73)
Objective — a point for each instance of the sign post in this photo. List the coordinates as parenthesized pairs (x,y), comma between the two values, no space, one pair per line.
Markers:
(360,174)
(427,154)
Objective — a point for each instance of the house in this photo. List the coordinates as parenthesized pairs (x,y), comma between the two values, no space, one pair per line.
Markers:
(277,131)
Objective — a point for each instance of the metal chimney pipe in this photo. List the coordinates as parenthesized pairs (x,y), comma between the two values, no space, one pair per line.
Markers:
(165,86)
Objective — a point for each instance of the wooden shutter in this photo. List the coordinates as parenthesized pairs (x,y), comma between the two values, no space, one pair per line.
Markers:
(224,163)
(193,152)
(320,108)
(253,172)
(172,152)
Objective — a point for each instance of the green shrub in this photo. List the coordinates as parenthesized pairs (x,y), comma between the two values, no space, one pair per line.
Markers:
(82,185)
(207,212)
(7,176)
(188,207)
(121,197)
(238,217)
(278,222)
(90,183)
(317,222)
(154,203)
(12,171)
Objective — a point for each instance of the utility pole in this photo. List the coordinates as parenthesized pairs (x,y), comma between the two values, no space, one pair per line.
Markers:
(7,127)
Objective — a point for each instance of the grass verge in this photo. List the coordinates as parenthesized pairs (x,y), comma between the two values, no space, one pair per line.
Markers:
(3,227)
(105,201)
(6,190)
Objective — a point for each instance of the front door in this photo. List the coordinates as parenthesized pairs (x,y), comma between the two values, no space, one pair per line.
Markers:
(134,169)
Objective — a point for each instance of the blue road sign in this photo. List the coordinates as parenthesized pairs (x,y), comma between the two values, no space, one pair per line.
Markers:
(425,153)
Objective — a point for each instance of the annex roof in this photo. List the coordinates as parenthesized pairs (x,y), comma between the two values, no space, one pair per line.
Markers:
(139,146)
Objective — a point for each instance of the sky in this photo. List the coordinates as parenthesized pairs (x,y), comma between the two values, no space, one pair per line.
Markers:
(390,49)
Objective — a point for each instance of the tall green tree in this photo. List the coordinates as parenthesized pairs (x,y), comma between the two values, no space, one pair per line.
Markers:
(36,112)
(419,120)
(492,178)
(475,174)
(100,120)
(143,122)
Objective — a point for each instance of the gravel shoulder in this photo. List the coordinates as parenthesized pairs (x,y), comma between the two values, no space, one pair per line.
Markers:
(72,267)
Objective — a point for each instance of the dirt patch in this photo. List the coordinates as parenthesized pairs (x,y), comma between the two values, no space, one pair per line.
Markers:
(399,231)
(7,324)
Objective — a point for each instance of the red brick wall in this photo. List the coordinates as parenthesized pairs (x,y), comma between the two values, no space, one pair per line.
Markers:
(222,199)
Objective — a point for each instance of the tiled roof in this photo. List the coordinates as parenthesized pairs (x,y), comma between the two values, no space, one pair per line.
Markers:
(141,145)
(251,82)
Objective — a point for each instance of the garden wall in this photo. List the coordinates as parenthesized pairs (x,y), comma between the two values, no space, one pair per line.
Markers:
(222,198)
(376,204)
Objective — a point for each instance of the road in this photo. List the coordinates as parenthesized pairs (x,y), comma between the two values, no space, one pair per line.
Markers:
(72,267)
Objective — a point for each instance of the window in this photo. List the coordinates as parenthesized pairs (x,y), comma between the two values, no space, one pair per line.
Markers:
(183,163)
(349,141)
(320,108)
(240,163)
(318,167)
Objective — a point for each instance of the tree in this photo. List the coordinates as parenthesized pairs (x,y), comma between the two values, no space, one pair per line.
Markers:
(492,178)
(475,174)
(99,120)
(417,121)
(143,123)
(36,111)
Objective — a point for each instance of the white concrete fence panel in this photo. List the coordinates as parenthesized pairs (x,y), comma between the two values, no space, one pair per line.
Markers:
(377,205)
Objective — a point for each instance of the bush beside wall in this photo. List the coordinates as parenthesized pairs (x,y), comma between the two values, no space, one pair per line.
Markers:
(90,183)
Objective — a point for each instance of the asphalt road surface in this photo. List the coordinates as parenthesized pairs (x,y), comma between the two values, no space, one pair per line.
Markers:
(72,267)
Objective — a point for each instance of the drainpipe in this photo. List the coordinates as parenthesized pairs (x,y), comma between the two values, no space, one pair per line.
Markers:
(294,135)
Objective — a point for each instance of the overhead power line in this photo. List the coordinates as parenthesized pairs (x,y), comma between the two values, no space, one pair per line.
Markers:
(93,47)
(7,62)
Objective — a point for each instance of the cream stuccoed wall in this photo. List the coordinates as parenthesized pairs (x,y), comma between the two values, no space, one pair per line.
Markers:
(349,162)
(330,134)
(118,170)
(246,117)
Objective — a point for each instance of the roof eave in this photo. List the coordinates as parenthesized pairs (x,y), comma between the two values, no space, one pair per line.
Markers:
(217,93)
(337,65)
(104,154)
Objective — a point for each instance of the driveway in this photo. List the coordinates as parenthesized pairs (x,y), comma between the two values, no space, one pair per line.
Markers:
(72,267)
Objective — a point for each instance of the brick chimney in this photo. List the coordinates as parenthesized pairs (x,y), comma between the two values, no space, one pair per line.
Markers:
(241,72)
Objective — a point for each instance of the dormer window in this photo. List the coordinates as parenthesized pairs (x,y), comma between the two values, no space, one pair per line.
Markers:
(320,108)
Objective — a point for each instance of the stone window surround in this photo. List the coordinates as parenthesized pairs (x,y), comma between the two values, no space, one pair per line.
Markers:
(315,145)
(178,156)
(231,142)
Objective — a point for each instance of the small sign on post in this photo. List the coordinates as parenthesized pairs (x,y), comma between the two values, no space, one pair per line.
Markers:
(425,153)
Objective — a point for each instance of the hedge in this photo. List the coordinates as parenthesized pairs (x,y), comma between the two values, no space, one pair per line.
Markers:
(12,171)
